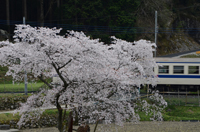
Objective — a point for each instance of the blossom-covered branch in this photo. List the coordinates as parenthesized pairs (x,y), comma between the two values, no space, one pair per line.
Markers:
(95,81)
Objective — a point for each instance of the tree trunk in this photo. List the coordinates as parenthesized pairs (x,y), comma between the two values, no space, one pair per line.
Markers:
(70,122)
(7,12)
(58,3)
(58,6)
(41,13)
(96,125)
(60,111)
(50,14)
(76,19)
(61,12)
(25,9)
(60,126)
(8,17)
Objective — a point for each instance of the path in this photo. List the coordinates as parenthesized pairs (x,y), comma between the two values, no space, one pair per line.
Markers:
(140,127)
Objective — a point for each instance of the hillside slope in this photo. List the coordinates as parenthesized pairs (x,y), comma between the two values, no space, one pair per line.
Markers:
(178,24)
(178,20)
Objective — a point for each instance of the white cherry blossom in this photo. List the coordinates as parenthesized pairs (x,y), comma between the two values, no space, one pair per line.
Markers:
(97,81)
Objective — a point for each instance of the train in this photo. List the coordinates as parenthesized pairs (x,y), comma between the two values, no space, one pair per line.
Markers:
(178,72)
(175,73)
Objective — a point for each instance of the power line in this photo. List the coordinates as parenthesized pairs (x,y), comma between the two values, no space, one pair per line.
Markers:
(34,23)
(110,29)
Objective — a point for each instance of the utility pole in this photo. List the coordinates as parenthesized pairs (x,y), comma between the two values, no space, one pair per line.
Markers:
(25,74)
(156,31)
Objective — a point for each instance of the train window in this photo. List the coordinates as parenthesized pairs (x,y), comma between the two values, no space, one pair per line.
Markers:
(178,69)
(163,69)
(193,70)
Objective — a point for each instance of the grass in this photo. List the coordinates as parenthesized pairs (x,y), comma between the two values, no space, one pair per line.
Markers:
(9,116)
(7,86)
(178,109)
(177,113)
(182,101)
(20,87)
(171,113)
(144,117)
(50,112)
(13,95)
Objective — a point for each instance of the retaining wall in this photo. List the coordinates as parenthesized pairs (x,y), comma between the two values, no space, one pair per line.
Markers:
(44,121)
(11,103)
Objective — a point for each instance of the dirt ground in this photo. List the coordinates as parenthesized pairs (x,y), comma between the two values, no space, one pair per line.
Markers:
(139,127)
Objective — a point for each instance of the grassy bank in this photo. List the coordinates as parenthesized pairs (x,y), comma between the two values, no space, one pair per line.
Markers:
(14,95)
(20,87)
(9,116)
(171,113)
(177,113)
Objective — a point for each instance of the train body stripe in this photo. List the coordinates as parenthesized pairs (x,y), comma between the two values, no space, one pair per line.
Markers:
(179,76)
(179,62)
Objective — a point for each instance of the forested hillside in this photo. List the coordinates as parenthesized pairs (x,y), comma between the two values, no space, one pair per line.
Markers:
(178,20)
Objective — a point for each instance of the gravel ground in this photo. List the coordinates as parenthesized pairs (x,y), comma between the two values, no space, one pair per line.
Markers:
(139,127)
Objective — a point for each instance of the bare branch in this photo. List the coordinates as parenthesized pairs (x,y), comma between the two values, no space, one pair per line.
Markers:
(60,76)
(43,80)
(65,64)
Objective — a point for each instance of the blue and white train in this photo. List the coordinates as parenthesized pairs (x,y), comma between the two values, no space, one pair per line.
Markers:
(181,72)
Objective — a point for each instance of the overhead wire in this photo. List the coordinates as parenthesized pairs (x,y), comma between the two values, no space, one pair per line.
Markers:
(110,29)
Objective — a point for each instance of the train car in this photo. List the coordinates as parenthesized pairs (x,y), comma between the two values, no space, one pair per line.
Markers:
(181,72)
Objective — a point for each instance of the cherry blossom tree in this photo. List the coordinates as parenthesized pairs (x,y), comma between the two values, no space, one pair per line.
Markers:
(96,82)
